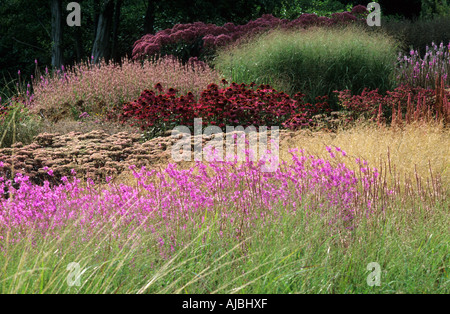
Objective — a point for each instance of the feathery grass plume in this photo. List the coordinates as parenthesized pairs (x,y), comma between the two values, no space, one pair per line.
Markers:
(17,125)
(315,61)
(96,88)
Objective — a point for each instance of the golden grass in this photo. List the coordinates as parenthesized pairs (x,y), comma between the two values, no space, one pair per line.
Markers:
(412,148)
(415,146)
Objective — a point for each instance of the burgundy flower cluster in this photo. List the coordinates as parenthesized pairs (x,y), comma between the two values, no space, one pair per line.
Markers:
(404,103)
(6,107)
(233,105)
(200,37)
(3,109)
(304,118)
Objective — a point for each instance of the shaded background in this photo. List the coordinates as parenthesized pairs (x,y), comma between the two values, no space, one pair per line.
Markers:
(37,30)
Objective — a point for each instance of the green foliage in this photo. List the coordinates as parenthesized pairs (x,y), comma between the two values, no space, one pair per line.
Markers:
(418,34)
(293,9)
(433,8)
(17,125)
(24,29)
(315,62)
(295,255)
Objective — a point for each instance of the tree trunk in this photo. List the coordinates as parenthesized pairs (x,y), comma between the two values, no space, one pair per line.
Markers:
(117,8)
(149,21)
(100,49)
(78,44)
(57,56)
(96,15)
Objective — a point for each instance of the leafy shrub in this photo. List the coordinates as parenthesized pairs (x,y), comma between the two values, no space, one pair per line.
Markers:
(201,40)
(435,8)
(417,34)
(315,61)
(237,104)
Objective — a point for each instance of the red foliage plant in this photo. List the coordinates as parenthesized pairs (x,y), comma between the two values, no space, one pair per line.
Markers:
(405,103)
(233,105)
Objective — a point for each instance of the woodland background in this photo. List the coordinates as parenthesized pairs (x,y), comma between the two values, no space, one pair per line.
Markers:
(37,30)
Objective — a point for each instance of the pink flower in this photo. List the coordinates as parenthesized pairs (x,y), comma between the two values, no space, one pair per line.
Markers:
(359,9)
(222,40)
(83,115)
(151,49)
(49,172)
(208,40)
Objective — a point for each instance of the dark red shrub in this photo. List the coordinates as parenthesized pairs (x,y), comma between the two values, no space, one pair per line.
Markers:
(405,103)
(233,105)
(360,11)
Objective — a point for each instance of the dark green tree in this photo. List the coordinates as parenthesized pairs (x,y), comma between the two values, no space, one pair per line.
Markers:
(57,28)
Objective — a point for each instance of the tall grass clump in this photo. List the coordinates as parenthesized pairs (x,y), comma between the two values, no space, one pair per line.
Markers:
(312,226)
(315,61)
(99,87)
(415,147)
(17,125)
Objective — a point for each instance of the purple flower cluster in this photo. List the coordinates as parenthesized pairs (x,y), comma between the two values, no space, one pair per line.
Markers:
(213,36)
(168,201)
(417,71)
